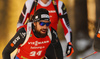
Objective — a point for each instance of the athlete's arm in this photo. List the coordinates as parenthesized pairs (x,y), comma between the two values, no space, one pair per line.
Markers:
(67,30)
(56,44)
(65,21)
(14,43)
(25,13)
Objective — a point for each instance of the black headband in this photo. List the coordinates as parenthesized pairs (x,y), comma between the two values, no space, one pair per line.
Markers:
(41,17)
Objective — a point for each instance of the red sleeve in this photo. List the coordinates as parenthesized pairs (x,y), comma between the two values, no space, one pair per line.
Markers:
(25,13)
(65,21)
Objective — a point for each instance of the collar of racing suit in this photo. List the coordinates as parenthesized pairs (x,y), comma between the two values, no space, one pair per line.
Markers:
(45,5)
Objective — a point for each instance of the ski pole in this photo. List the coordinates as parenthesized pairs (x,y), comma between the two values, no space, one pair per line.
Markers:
(89,55)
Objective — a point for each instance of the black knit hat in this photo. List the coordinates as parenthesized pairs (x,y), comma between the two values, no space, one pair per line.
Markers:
(41,14)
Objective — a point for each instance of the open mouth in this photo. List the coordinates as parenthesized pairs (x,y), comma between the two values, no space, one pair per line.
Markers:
(43,31)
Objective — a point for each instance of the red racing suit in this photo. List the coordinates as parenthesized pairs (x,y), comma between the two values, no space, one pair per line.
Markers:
(33,47)
(29,10)
(29,45)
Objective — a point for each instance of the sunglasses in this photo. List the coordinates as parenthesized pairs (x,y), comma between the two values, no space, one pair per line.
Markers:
(43,23)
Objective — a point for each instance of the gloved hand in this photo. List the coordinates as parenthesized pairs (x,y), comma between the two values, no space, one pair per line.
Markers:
(69,49)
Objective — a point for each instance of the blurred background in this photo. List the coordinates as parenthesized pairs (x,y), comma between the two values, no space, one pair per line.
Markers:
(83,17)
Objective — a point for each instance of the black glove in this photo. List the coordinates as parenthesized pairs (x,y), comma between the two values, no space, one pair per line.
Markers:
(69,50)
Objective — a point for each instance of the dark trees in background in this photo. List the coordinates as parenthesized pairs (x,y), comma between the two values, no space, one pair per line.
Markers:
(97,12)
(81,27)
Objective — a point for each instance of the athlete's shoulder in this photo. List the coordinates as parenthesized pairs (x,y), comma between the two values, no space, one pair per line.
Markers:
(21,30)
(29,3)
(22,27)
(60,2)
(62,7)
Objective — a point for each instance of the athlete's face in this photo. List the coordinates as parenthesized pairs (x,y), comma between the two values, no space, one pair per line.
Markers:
(42,27)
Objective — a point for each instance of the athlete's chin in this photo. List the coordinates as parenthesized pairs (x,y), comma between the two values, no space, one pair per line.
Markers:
(43,33)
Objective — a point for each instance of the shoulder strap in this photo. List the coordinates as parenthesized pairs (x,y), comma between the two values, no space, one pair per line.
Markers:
(35,2)
(55,6)
(28,31)
(49,34)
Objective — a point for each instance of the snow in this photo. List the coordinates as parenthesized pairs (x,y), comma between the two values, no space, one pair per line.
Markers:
(88,52)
